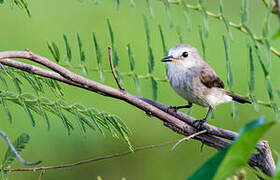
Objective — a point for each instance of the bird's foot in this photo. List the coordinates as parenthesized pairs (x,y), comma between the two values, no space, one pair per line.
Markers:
(198,123)
(172,108)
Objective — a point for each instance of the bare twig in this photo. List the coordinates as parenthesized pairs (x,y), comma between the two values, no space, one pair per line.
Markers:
(13,149)
(177,122)
(92,159)
(187,138)
(42,174)
(113,70)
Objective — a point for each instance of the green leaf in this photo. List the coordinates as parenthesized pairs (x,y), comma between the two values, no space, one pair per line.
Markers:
(31,82)
(202,42)
(148,3)
(132,4)
(19,145)
(119,128)
(228,64)
(91,114)
(277,170)
(44,114)
(16,81)
(117,4)
(250,34)
(115,54)
(1,1)
(82,55)
(64,119)
(265,71)
(98,58)
(234,111)
(252,71)
(110,31)
(26,109)
(154,88)
(186,15)
(208,170)
(68,48)
(4,82)
(151,64)
(245,12)
(164,49)
(167,10)
(136,82)
(268,52)
(82,121)
(269,88)
(226,23)
(54,50)
(275,110)
(7,111)
(276,35)
(255,102)
(147,30)
(266,27)
(28,97)
(205,22)
(131,57)
(231,158)
(180,36)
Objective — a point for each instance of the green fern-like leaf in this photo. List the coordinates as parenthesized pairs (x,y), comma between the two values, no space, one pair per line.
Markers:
(19,145)
(87,117)
(54,50)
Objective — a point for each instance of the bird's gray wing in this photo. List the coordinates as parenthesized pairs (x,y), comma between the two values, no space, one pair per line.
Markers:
(210,79)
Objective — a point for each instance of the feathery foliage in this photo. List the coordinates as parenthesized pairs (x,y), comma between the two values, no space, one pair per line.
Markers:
(19,145)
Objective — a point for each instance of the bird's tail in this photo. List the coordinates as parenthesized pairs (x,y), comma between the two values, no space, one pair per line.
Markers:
(238,98)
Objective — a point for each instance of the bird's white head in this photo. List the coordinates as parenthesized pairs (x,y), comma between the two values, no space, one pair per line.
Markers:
(182,55)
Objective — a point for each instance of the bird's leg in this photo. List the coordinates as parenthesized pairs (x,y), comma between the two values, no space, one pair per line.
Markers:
(175,108)
(201,122)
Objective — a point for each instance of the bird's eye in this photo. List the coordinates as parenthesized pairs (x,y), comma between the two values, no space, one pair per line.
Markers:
(185,54)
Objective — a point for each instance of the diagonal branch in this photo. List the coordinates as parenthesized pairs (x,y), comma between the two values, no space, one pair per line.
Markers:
(176,121)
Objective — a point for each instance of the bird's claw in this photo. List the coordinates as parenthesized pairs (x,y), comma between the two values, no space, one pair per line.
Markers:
(198,124)
(173,108)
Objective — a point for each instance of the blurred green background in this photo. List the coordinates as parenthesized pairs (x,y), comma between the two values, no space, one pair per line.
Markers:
(50,19)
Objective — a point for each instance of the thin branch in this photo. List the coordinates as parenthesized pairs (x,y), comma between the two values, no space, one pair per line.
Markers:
(113,70)
(13,149)
(92,159)
(182,125)
(187,138)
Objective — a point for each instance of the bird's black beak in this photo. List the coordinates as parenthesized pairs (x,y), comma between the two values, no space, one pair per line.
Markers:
(168,59)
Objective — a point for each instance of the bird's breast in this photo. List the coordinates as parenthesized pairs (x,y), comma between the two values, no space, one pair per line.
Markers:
(187,84)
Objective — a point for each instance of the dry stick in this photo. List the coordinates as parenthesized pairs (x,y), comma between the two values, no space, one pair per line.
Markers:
(267,165)
(187,138)
(91,160)
(41,174)
(113,70)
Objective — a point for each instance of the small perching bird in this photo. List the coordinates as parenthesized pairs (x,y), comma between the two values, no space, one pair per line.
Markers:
(195,81)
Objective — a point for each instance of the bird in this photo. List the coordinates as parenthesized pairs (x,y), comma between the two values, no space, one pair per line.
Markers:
(195,81)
